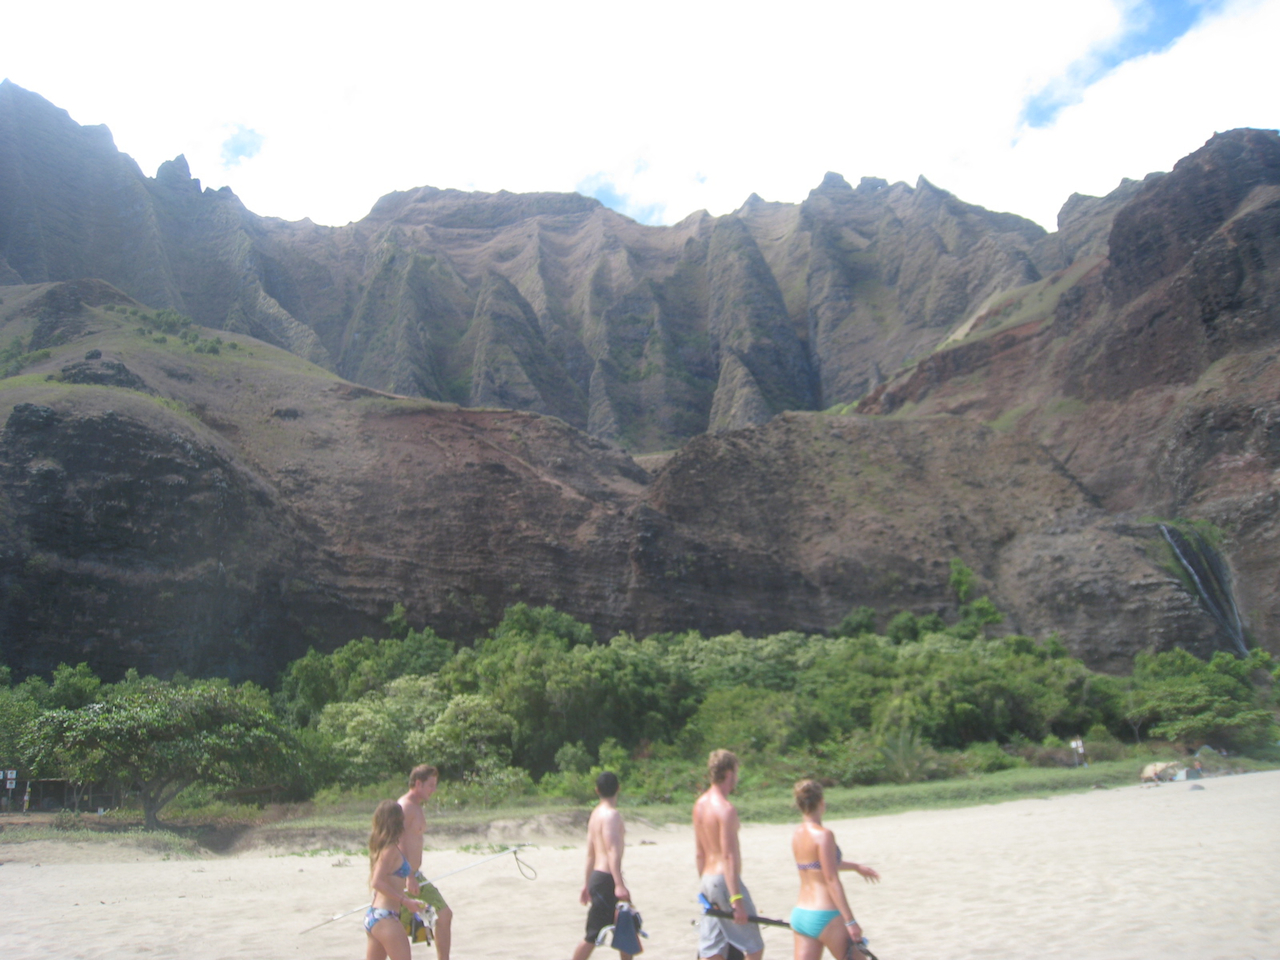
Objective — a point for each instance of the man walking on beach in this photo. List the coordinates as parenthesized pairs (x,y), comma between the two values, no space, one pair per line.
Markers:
(715,830)
(603,886)
(423,780)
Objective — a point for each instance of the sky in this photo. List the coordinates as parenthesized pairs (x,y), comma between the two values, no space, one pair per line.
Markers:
(658,109)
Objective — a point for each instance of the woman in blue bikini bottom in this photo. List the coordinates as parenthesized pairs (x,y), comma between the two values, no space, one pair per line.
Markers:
(388,871)
(822,917)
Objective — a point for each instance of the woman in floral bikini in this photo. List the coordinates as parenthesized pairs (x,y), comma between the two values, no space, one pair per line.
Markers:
(388,873)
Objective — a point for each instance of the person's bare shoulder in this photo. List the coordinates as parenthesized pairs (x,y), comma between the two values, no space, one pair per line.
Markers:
(711,804)
(413,816)
(700,805)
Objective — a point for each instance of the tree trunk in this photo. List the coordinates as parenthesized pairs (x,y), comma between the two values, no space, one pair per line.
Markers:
(151,804)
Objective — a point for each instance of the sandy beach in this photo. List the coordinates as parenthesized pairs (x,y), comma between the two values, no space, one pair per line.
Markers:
(1168,871)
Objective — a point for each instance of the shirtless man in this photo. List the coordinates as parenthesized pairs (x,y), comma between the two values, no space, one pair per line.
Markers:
(603,886)
(423,780)
(715,829)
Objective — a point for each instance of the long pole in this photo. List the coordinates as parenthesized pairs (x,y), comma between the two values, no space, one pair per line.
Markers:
(339,916)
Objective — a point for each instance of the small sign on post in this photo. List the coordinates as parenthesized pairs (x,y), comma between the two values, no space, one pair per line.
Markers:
(11,774)
(1077,747)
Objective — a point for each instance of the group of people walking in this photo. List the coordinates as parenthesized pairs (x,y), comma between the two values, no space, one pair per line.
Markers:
(727,931)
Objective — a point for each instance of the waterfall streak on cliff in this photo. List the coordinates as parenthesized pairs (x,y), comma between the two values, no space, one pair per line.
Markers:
(1215,596)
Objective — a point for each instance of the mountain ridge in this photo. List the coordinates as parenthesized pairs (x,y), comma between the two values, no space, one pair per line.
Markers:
(1033,404)
(648,323)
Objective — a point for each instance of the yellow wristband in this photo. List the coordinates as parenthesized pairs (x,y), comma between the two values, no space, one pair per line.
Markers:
(735,898)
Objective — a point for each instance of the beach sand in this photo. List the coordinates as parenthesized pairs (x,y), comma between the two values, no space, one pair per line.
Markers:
(1167,871)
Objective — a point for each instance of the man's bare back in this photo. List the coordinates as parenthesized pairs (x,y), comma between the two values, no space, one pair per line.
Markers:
(715,829)
(602,884)
(606,836)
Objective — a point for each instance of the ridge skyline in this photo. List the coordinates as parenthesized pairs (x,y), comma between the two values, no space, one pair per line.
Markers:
(1013,111)
(617,206)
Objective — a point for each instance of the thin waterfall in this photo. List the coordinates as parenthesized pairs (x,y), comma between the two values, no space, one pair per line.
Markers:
(1197,556)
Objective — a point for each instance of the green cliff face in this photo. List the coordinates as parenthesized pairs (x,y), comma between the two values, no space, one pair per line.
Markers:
(542,302)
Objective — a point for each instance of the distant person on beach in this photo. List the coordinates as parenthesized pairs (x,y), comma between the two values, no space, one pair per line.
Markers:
(715,829)
(423,780)
(822,915)
(389,871)
(603,886)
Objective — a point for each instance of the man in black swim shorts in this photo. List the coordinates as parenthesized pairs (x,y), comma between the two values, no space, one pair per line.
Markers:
(603,886)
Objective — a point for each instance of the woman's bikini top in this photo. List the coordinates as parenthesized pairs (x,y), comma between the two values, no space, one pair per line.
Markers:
(816,865)
(404,869)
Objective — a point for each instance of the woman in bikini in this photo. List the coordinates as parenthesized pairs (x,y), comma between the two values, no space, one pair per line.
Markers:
(388,872)
(822,915)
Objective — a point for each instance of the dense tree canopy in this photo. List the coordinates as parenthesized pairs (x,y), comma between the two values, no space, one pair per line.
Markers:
(158,737)
(539,698)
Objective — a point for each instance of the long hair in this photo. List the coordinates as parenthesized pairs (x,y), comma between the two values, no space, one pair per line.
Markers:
(388,824)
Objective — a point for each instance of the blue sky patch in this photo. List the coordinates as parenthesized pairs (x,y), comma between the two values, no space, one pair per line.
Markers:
(1150,26)
(244,144)
(606,191)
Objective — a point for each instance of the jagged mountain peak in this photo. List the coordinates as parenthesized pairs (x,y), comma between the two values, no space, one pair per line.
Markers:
(460,209)
(834,181)
(853,281)
(628,314)
(176,175)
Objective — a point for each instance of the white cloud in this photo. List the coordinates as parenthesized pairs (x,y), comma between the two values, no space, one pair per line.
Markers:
(677,105)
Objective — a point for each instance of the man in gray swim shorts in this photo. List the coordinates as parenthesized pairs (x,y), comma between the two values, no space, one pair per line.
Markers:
(715,828)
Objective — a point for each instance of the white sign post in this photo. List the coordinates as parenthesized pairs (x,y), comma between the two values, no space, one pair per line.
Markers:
(1077,747)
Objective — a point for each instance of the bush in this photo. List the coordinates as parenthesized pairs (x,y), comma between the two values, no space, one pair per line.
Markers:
(903,628)
(909,759)
(1041,755)
(371,737)
(1100,745)
(471,735)
(746,721)
(490,784)
(574,786)
(988,758)
(855,759)
(573,758)
(856,622)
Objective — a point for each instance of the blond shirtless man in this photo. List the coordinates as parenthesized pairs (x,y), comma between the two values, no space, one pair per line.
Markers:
(423,780)
(603,886)
(715,830)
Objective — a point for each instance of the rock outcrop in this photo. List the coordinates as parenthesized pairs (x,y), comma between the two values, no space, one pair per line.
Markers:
(1148,367)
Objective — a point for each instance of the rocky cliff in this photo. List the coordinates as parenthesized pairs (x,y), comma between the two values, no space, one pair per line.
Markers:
(419,407)
(217,512)
(549,302)
(1147,367)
